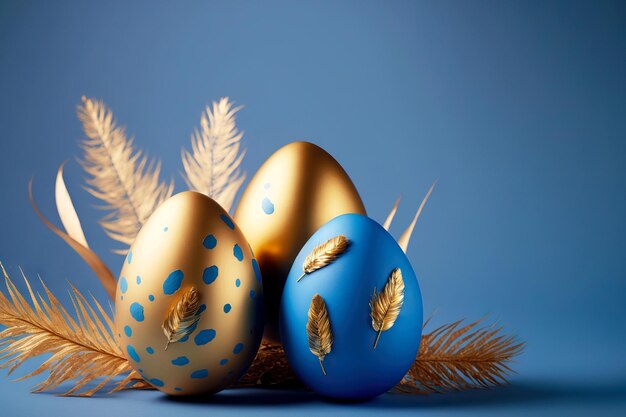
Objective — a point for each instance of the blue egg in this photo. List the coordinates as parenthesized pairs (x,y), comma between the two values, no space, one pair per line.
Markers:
(354,369)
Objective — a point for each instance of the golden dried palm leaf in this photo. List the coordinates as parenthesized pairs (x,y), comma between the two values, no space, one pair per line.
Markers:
(324,254)
(386,305)
(120,175)
(213,167)
(82,350)
(405,238)
(318,330)
(454,357)
(182,318)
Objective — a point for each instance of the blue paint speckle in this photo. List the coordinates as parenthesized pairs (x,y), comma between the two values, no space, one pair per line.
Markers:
(123,285)
(129,258)
(209,242)
(165,229)
(128,331)
(156,382)
(257,270)
(133,353)
(200,373)
(151,297)
(210,274)
(237,282)
(223,362)
(136,310)
(227,308)
(252,294)
(228,221)
(201,309)
(150,350)
(172,282)
(238,348)
(268,206)
(138,280)
(204,337)
(180,361)
(238,252)
(178,389)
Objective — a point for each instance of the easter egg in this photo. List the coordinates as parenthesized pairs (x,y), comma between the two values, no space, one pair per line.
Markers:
(189,300)
(330,317)
(298,189)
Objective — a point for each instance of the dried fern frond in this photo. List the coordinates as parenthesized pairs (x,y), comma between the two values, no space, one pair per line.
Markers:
(83,349)
(385,306)
(318,330)
(324,254)
(455,358)
(119,174)
(213,167)
(182,318)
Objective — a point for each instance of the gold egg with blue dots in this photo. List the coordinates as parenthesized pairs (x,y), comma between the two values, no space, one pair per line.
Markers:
(190,242)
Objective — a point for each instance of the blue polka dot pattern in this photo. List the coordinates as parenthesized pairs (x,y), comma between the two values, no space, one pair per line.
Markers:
(133,353)
(238,348)
(223,362)
(204,337)
(151,297)
(128,331)
(209,242)
(257,270)
(156,382)
(180,361)
(200,373)
(123,285)
(129,258)
(178,389)
(237,282)
(172,282)
(252,294)
(138,280)
(228,221)
(238,252)
(227,308)
(150,350)
(165,229)
(210,274)
(136,311)
(268,206)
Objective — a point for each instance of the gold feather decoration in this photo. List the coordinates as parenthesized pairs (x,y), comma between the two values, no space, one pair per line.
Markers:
(456,357)
(119,174)
(318,330)
(324,254)
(405,238)
(182,318)
(392,214)
(103,273)
(386,305)
(213,167)
(82,350)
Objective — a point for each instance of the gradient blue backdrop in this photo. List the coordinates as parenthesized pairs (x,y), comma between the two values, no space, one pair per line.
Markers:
(519,108)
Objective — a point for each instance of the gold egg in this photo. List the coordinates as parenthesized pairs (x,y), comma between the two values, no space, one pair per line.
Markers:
(297,190)
(190,245)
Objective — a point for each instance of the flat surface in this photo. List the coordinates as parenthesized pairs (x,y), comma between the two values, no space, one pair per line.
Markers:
(518,108)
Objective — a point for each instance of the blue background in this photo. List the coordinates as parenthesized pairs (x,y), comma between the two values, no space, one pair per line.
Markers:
(519,108)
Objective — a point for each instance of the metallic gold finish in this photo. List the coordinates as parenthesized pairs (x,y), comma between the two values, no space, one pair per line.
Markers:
(318,330)
(296,191)
(190,242)
(386,305)
(324,254)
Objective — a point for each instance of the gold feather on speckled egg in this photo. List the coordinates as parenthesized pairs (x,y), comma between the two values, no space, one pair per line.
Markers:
(182,317)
